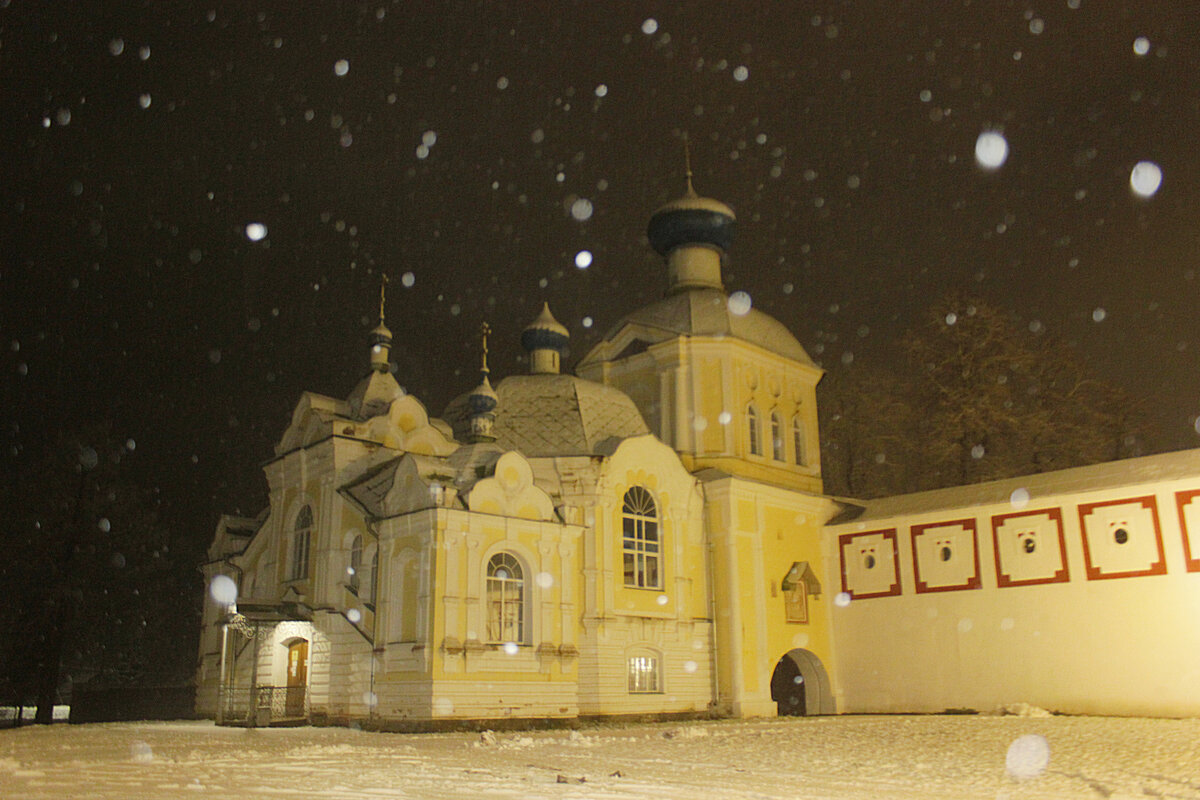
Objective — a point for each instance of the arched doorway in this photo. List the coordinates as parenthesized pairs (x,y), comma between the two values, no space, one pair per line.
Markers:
(800,685)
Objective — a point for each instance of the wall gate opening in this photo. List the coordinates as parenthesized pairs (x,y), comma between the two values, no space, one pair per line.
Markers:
(800,686)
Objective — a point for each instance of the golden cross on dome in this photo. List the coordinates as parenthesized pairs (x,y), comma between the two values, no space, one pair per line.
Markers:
(484,330)
(687,162)
(383,281)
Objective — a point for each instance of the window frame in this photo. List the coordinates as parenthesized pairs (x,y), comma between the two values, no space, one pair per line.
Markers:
(373,583)
(354,578)
(641,540)
(755,441)
(301,544)
(778,447)
(799,439)
(497,610)
(643,673)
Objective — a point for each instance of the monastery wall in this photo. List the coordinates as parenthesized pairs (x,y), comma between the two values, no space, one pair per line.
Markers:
(1077,594)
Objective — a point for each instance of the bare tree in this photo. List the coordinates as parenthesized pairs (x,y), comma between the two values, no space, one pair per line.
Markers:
(978,397)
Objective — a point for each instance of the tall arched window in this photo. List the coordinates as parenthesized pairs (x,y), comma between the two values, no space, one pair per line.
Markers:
(355,570)
(301,537)
(798,439)
(640,540)
(505,599)
(373,579)
(752,419)
(777,437)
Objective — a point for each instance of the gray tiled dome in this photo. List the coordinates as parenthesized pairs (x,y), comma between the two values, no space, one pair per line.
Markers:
(553,414)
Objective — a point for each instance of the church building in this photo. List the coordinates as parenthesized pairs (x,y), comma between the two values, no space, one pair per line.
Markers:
(650,536)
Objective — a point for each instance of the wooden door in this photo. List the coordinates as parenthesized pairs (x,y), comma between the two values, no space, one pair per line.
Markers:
(297,677)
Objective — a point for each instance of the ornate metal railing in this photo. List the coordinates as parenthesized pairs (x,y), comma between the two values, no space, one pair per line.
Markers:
(270,703)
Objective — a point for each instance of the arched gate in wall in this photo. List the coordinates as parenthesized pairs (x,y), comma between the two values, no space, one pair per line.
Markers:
(800,685)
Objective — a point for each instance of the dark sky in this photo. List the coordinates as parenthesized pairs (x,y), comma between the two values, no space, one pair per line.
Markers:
(140,139)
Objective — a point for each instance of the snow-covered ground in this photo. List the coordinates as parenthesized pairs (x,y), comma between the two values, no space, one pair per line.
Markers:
(821,757)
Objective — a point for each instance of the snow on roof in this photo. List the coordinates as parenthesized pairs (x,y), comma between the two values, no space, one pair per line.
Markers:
(1096,477)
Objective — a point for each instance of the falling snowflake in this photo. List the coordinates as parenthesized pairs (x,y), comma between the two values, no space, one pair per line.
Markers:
(991,150)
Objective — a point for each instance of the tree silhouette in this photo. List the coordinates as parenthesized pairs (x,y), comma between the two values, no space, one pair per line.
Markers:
(93,589)
(977,397)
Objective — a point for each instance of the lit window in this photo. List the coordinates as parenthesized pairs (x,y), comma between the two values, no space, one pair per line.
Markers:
(301,535)
(356,550)
(505,599)
(752,419)
(643,675)
(798,439)
(776,437)
(640,541)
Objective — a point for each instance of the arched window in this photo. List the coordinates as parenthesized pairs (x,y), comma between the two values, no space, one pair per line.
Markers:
(755,443)
(301,537)
(798,439)
(777,437)
(505,599)
(373,578)
(355,569)
(640,540)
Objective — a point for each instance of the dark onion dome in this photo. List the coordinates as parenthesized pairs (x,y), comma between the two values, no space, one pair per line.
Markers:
(482,398)
(545,333)
(381,335)
(691,219)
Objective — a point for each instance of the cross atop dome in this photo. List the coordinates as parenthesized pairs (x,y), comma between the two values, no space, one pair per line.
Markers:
(381,337)
(482,401)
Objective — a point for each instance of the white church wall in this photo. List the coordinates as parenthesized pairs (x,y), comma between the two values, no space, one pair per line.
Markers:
(1080,602)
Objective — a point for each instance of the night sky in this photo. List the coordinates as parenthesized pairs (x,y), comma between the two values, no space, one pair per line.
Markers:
(471,150)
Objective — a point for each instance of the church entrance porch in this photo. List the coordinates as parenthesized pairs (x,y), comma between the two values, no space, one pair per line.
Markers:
(800,685)
(265,666)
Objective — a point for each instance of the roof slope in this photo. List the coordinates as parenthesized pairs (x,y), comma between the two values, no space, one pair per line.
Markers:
(1096,477)
(554,415)
(703,312)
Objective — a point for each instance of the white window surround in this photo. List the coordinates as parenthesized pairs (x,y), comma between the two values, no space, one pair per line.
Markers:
(644,673)
(641,540)
(505,599)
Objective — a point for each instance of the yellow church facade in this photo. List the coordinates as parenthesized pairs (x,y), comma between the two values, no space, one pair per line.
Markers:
(650,536)
(643,538)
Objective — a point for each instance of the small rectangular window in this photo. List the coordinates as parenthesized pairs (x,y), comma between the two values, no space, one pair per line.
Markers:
(643,675)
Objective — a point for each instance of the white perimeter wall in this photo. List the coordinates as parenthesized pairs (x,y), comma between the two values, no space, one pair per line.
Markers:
(1116,645)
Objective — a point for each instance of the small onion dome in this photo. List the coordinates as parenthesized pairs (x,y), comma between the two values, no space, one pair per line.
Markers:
(482,398)
(546,341)
(481,405)
(691,219)
(381,335)
(381,345)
